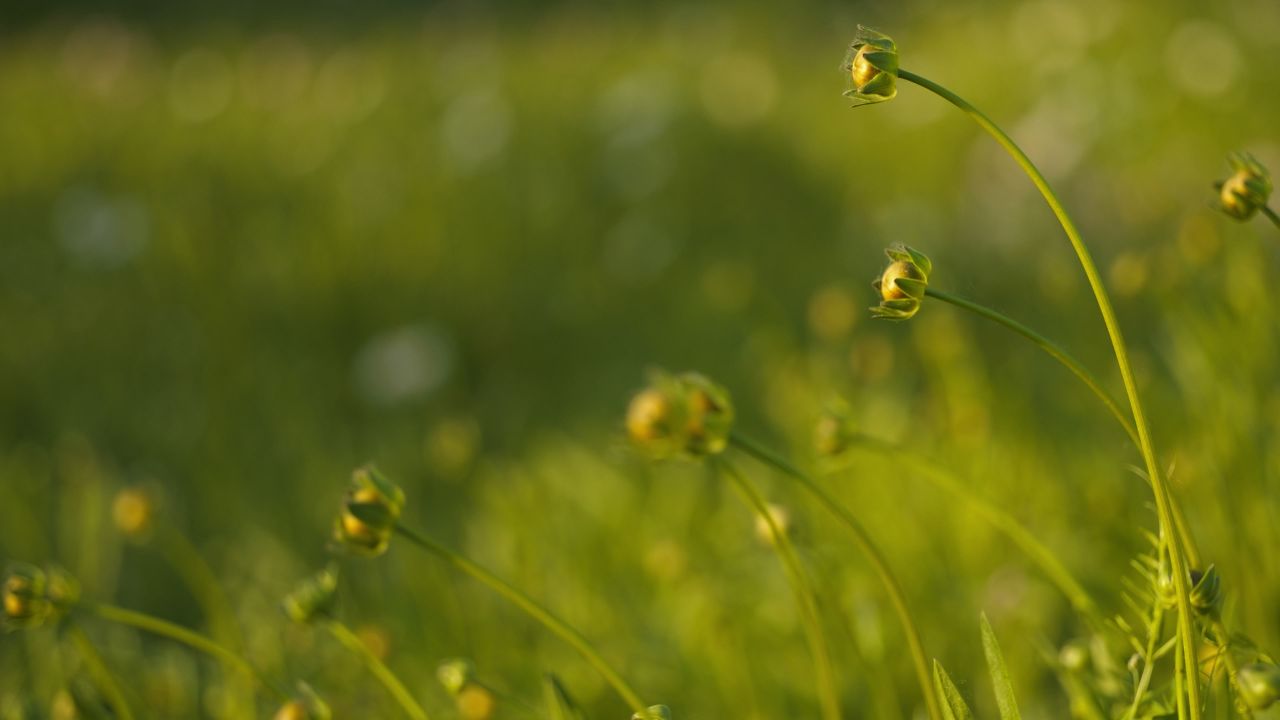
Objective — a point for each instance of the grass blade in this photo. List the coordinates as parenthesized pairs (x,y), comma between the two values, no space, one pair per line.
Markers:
(953,705)
(999,673)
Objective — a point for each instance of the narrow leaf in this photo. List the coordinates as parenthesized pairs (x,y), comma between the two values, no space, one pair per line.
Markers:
(559,705)
(999,673)
(953,705)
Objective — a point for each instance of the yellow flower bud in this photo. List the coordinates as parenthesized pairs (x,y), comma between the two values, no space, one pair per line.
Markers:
(305,705)
(133,511)
(684,415)
(475,702)
(1247,190)
(648,416)
(872,64)
(902,285)
(369,513)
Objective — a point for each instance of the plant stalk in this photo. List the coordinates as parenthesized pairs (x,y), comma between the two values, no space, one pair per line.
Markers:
(379,669)
(896,597)
(1080,371)
(1161,491)
(533,610)
(1271,215)
(190,638)
(810,616)
(98,669)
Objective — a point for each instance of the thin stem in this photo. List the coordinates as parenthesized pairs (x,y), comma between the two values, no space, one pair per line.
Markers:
(1080,371)
(1161,491)
(98,668)
(190,638)
(1149,661)
(878,562)
(1053,349)
(378,668)
(1224,648)
(1040,554)
(533,610)
(805,596)
(1271,215)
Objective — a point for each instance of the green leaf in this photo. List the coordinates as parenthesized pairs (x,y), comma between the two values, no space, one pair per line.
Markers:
(999,673)
(559,705)
(953,705)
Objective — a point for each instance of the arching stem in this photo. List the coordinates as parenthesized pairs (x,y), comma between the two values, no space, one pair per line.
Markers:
(379,669)
(100,672)
(1163,496)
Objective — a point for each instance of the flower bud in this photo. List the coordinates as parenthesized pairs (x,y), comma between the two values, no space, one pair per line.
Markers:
(680,415)
(781,519)
(305,705)
(133,511)
(454,675)
(872,64)
(655,712)
(1074,656)
(32,596)
(369,513)
(475,702)
(1247,190)
(903,283)
(312,597)
(1206,591)
(1259,685)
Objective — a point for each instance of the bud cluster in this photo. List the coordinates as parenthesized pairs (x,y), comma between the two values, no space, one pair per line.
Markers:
(369,513)
(685,415)
(33,596)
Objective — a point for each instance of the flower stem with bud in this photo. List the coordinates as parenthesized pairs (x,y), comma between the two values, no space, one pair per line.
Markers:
(878,563)
(1160,489)
(533,610)
(811,619)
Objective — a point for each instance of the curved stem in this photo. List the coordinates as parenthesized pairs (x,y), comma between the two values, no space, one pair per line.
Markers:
(1271,215)
(1049,563)
(1053,349)
(1080,371)
(190,638)
(379,669)
(533,610)
(98,668)
(878,563)
(805,596)
(1163,496)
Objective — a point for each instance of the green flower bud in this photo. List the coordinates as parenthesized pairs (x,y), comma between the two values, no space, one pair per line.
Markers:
(369,513)
(872,64)
(1247,191)
(680,415)
(1259,685)
(305,705)
(902,284)
(455,674)
(655,712)
(313,597)
(1074,656)
(32,596)
(1206,591)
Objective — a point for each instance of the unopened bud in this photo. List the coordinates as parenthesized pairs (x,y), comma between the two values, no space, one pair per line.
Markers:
(902,285)
(684,415)
(1247,190)
(369,513)
(872,64)
(313,597)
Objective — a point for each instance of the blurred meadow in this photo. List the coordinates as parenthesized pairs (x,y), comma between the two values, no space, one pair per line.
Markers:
(243,252)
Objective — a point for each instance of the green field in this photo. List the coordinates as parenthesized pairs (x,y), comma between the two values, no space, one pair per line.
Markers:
(240,259)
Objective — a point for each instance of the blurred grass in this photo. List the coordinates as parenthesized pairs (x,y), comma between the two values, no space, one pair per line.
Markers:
(235,264)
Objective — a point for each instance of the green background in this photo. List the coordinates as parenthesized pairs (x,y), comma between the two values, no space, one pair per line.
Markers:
(244,251)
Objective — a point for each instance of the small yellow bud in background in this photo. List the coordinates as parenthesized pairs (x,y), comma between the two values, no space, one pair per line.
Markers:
(648,416)
(292,710)
(133,511)
(1248,189)
(475,702)
(305,705)
(781,518)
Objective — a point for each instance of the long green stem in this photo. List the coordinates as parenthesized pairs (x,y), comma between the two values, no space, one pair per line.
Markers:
(1163,496)
(378,668)
(1271,215)
(1080,371)
(1049,563)
(1148,662)
(1224,648)
(98,669)
(805,596)
(190,638)
(533,610)
(878,563)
